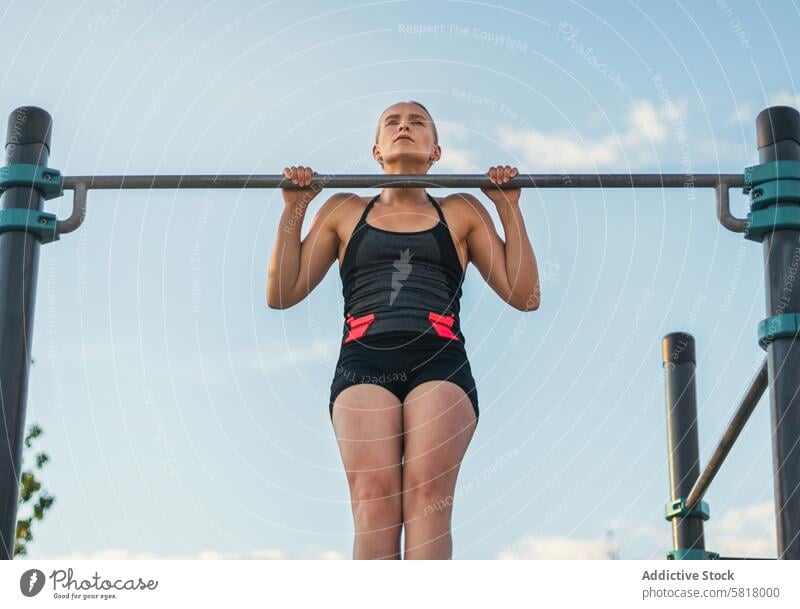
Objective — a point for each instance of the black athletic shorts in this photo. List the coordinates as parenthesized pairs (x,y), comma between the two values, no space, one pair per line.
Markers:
(400,362)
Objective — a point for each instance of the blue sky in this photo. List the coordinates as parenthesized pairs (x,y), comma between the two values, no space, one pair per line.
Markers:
(186,419)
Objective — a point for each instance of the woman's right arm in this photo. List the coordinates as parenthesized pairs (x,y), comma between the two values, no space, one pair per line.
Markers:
(296,267)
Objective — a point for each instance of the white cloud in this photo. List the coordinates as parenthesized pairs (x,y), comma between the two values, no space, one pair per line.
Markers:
(531,547)
(120,554)
(330,555)
(745,112)
(646,126)
(746,532)
(111,554)
(455,159)
(784,98)
(740,532)
(556,152)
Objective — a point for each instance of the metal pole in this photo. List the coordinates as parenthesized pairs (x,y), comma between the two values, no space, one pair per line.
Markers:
(27,141)
(778,133)
(678,360)
(754,392)
(380,180)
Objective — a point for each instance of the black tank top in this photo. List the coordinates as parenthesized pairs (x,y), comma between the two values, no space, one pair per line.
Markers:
(401,282)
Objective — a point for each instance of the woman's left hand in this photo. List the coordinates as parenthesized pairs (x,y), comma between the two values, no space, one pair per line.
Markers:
(500,175)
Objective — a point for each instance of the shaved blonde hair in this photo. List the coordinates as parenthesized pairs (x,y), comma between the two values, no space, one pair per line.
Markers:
(433,124)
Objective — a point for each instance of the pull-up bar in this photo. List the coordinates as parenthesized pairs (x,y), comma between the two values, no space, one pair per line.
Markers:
(719,182)
(367,180)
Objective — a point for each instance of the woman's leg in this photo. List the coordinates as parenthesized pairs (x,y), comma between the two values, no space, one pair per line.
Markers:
(368,420)
(439,422)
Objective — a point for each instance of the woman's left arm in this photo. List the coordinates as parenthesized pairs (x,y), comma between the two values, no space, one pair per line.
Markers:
(508,267)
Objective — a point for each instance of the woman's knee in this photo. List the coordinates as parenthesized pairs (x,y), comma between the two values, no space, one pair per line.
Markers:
(376,502)
(427,498)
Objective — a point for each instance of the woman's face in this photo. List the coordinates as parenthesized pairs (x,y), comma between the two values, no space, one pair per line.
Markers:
(405,134)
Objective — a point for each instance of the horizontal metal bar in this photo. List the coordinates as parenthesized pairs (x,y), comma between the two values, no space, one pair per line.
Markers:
(480,180)
(754,392)
(720,182)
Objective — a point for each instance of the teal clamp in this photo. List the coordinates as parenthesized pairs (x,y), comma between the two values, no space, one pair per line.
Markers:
(692,554)
(39,223)
(770,172)
(763,221)
(769,193)
(46,180)
(677,508)
(769,184)
(785,325)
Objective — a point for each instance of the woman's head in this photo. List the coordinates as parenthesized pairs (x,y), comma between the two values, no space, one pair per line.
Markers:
(406,134)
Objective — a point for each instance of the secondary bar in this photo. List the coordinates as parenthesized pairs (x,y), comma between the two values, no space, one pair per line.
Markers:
(751,397)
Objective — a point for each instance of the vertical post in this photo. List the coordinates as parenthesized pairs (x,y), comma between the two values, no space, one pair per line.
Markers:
(778,132)
(678,360)
(27,141)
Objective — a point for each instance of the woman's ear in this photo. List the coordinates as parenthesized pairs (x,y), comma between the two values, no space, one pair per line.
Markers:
(436,154)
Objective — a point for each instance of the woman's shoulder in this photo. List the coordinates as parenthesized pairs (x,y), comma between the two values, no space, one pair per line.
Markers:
(345,210)
(458,199)
(346,197)
(461,210)
(344,204)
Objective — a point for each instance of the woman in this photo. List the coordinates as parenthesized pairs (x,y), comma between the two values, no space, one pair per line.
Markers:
(403,401)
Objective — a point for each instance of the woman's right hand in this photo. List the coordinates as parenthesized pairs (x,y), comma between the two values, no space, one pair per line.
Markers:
(301,176)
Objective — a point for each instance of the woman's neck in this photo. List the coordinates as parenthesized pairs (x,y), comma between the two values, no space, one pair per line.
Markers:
(404,197)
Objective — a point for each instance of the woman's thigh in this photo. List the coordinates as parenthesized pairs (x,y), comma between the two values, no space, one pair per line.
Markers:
(439,422)
(368,422)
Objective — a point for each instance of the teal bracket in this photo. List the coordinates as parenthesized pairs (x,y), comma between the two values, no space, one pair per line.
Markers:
(39,223)
(784,325)
(677,509)
(774,204)
(48,182)
(770,184)
(763,221)
(769,193)
(692,554)
(769,172)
